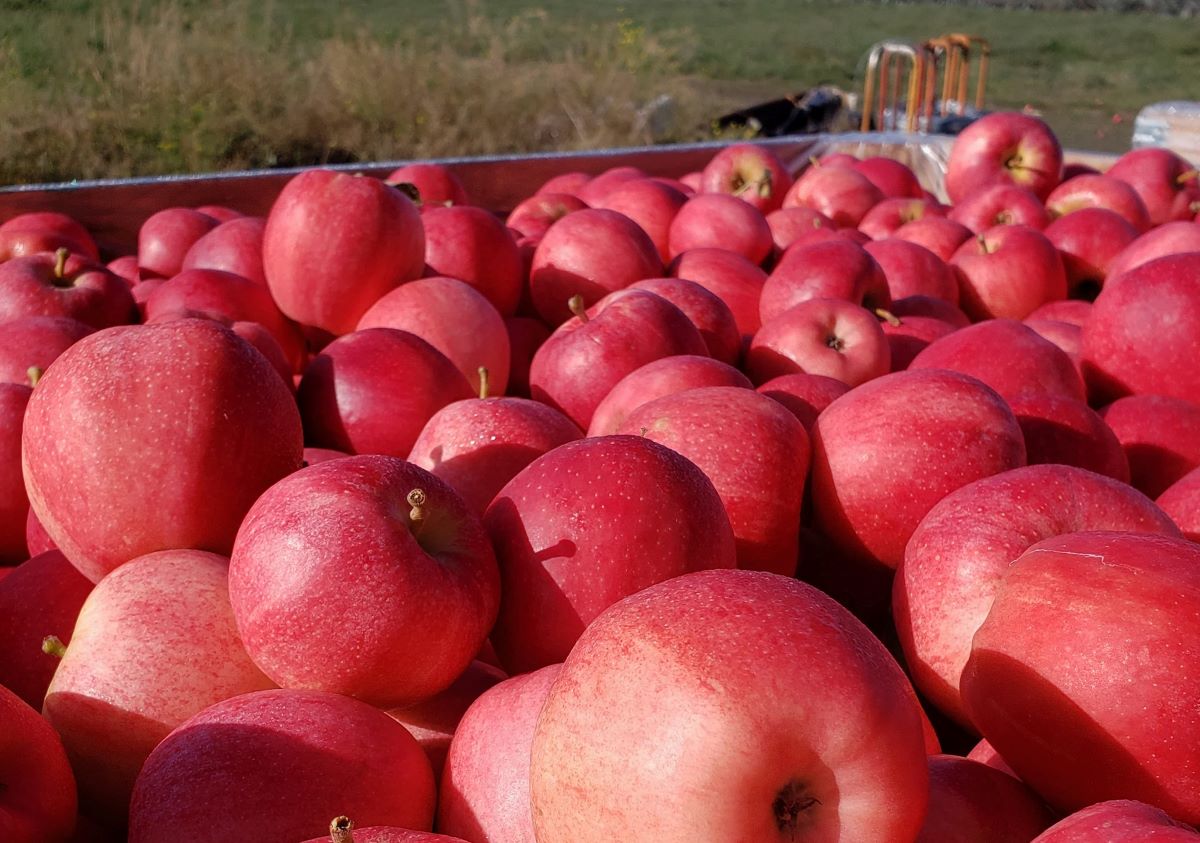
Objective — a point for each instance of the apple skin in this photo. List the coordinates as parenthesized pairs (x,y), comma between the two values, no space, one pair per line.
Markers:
(909,336)
(986,754)
(533,217)
(371,391)
(234,246)
(347,525)
(454,318)
(711,316)
(583,360)
(570,182)
(825,741)
(588,524)
(1167,184)
(1007,148)
(1088,241)
(178,489)
(276,767)
(1129,348)
(594,189)
(932,307)
(436,184)
(649,203)
(956,559)
(1181,501)
(821,336)
(937,234)
(735,280)
(154,643)
(1008,356)
(842,194)
(1072,311)
(1109,705)
(84,290)
(834,269)
(1060,429)
(912,270)
(885,218)
(1097,191)
(166,236)
(44,231)
(40,597)
(478,445)
(35,341)
(334,243)
(893,178)
(589,253)
(1007,272)
(484,794)
(14,499)
(1158,434)
(719,220)
(970,801)
(1118,821)
(36,538)
(804,395)
(434,721)
(886,452)
(999,204)
(474,246)
(666,376)
(224,296)
(1168,239)
(791,224)
(39,804)
(750,172)
(755,452)
(525,337)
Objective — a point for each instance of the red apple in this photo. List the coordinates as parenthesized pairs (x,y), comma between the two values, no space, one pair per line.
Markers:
(588,253)
(214,428)
(60,284)
(1181,501)
(750,172)
(1097,191)
(821,336)
(666,376)
(893,178)
(1118,821)
(1071,311)
(594,189)
(525,337)
(235,246)
(589,523)
(835,269)
(1167,184)
(276,767)
(735,280)
(883,220)
(1109,705)
(220,213)
(719,220)
(792,709)
(126,269)
(383,536)
(34,342)
(1060,429)
(14,500)
(651,204)
(1088,241)
(907,337)
(533,217)
(582,360)
(986,754)
(343,830)
(44,231)
(937,234)
(571,182)
(154,644)
(474,246)
(969,801)
(840,193)
(791,224)
(931,307)
(1004,148)
(1007,272)
(913,270)
(956,559)
(886,452)
(334,243)
(36,537)
(1158,434)
(1168,239)
(756,454)
(37,789)
(485,790)
(436,184)
(166,236)
(804,395)
(999,204)
(711,316)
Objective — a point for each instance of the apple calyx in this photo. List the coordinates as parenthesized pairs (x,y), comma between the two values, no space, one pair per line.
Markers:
(575,303)
(1004,218)
(760,185)
(835,342)
(791,807)
(1014,161)
(483,382)
(889,317)
(34,373)
(341,830)
(52,645)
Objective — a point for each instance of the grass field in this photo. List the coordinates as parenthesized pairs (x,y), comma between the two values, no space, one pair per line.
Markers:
(119,88)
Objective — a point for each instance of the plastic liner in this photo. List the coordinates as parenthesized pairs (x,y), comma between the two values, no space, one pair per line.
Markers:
(1174,125)
(113,210)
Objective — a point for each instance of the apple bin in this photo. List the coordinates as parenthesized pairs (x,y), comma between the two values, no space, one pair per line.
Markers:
(830,487)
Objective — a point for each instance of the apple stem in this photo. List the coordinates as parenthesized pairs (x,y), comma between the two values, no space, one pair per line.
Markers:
(52,645)
(814,161)
(575,303)
(983,244)
(1187,176)
(341,830)
(416,500)
(889,317)
(34,373)
(60,261)
(483,381)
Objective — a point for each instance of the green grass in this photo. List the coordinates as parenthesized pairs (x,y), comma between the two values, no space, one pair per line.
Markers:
(122,88)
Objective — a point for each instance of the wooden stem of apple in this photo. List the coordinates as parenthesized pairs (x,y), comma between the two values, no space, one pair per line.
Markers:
(483,381)
(575,303)
(34,373)
(416,500)
(889,317)
(1187,176)
(341,830)
(52,645)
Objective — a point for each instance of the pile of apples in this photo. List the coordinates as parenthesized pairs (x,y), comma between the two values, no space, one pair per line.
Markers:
(743,506)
